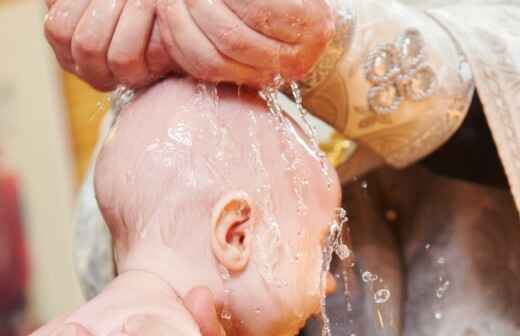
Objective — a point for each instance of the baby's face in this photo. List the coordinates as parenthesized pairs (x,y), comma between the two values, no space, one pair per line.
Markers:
(290,267)
(187,182)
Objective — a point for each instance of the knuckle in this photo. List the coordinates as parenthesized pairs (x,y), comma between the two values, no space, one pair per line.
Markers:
(121,62)
(86,47)
(55,33)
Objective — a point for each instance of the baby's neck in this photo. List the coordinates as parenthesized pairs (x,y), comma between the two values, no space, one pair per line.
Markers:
(181,273)
(134,297)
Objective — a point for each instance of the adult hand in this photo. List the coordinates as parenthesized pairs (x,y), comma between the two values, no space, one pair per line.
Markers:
(107,43)
(199,302)
(241,41)
(245,41)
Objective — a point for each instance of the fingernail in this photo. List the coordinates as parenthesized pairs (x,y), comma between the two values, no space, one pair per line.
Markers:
(67,330)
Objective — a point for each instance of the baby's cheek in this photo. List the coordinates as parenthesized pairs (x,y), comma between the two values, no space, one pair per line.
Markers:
(310,279)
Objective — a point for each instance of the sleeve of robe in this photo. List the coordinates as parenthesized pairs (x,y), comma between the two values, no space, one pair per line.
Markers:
(487,32)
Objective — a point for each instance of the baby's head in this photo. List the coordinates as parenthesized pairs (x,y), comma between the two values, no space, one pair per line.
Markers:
(206,189)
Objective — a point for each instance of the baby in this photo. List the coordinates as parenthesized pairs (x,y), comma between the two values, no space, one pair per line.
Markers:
(201,187)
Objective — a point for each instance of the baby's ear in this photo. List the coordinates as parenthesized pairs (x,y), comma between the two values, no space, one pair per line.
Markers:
(231,230)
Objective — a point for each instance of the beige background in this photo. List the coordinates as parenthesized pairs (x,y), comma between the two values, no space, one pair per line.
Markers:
(34,133)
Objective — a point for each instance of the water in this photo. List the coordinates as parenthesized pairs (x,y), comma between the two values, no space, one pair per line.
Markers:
(328,252)
(284,126)
(269,255)
(225,315)
(369,277)
(441,291)
(333,245)
(382,296)
(120,98)
(311,132)
(101,106)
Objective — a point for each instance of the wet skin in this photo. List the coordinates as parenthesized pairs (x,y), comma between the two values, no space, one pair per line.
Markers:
(201,188)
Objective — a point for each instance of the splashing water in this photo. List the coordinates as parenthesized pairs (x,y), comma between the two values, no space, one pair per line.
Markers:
(334,244)
(300,183)
(311,132)
(267,255)
(369,277)
(120,98)
(328,252)
(382,296)
(441,291)
(123,96)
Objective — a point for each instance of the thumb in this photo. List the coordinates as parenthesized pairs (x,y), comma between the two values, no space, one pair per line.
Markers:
(201,304)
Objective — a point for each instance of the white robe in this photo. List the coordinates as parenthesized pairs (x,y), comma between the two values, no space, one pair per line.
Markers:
(489,33)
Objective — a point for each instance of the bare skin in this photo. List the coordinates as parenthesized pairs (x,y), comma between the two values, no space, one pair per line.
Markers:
(137,42)
(190,189)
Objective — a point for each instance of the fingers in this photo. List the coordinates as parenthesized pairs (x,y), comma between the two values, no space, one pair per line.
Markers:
(233,38)
(201,304)
(60,24)
(271,18)
(126,56)
(319,27)
(307,24)
(158,60)
(194,52)
(92,39)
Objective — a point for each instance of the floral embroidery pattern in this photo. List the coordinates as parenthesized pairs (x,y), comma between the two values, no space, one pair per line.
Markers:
(397,73)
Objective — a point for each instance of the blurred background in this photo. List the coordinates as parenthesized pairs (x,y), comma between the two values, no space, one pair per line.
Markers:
(48,127)
(49,123)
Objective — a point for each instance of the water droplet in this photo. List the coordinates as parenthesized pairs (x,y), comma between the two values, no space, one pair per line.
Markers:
(441,261)
(369,277)
(364,185)
(226,315)
(441,291)
(382,296)
(258,310)
(224,273)
(427,246)
(438,315)
(343,252)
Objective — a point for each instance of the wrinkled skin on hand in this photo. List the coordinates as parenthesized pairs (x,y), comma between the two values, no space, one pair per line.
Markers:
(199,301)
(136,42)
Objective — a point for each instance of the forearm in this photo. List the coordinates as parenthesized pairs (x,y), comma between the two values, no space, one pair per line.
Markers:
(415,120)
